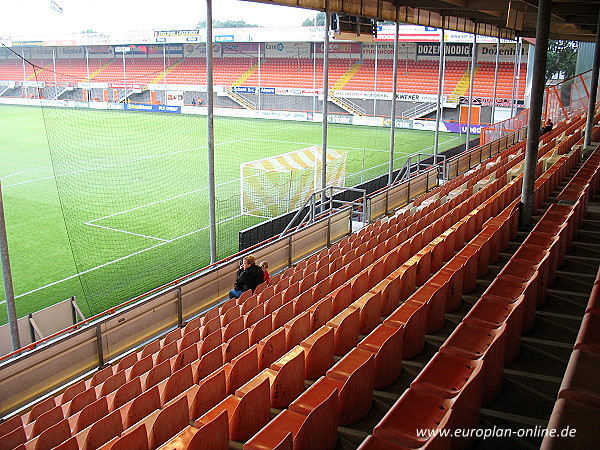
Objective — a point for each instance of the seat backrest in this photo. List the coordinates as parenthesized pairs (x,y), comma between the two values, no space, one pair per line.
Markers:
(54,435)
(170,421)
(213,435)
(211,391)
(46,420)
(177,383)
(91,413)
(142,405)
(135,438)
(104,430)
(126,393)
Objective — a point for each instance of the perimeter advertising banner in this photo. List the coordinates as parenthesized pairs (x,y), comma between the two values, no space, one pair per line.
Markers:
(385,50)
(287,49)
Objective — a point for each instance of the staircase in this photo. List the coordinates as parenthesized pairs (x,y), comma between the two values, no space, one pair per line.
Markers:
(344,79)
(162,75)
(98,70)
(462,86)
(240,100)
(346,105)
(422,109)
(246,75)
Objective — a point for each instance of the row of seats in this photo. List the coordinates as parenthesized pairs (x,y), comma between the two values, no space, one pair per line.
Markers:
(151,363)
(448,393)
(578,403)
(301,73)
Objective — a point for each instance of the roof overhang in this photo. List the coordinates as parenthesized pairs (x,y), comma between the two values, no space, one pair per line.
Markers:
(571,19)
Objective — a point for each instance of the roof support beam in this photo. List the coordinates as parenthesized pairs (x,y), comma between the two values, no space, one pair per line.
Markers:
(535,112)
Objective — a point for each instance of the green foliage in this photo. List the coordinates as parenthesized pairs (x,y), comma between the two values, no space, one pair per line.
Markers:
(226,24)
(562,59)
(320,20)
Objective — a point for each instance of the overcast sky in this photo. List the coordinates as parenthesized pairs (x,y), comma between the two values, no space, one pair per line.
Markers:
(29,17)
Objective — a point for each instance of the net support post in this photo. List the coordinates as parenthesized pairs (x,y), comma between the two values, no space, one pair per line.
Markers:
(179,308)
(76,311)
(472,85)
(535,113)
(325,99)
(99,346)
(211,135)
(7,279)
(589,126)
(394,93)
(440,92)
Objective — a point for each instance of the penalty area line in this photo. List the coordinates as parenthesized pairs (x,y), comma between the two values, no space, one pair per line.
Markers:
(70,277)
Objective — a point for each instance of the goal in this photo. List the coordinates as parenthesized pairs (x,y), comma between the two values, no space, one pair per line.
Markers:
(279,184)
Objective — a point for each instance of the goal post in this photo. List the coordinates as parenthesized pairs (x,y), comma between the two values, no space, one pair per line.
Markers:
(278,184)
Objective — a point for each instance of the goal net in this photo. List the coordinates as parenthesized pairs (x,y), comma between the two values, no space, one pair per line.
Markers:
(279,184)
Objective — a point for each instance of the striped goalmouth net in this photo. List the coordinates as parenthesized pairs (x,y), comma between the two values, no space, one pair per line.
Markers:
(279,184)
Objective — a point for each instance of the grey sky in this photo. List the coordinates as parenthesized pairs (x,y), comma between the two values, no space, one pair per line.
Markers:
(31,17)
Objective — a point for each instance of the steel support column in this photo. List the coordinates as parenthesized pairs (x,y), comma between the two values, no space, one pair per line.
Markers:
(535,111)
(593,89)
(394,92)
(7,278)
(440,93)
(211,134)
(473,57)
(325,97)
(495,81)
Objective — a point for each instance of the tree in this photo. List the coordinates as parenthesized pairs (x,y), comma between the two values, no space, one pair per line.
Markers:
(226,24)
(562,59)
(320,20)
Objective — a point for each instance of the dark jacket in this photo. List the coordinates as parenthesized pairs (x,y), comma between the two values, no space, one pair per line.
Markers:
(248,278)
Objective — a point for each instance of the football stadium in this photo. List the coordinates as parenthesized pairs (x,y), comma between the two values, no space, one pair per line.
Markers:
(421,179)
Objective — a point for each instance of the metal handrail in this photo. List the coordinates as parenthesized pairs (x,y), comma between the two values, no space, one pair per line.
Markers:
(312,203)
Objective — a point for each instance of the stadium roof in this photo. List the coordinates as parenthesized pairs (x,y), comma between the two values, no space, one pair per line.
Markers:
(571,19)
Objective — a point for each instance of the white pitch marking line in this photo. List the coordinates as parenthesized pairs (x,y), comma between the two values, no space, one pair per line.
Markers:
(125,231)
(117,260)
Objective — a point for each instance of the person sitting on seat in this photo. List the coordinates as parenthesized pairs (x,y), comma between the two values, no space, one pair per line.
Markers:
(547,128)
(265,267)
(248,277)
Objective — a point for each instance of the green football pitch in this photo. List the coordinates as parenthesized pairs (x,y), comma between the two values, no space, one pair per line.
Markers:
(106,205)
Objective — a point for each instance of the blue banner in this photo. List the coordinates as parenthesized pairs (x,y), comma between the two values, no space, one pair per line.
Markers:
(252,89)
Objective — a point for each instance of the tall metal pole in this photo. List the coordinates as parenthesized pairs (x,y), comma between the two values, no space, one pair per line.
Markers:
(165,72)
(258,91)
(87,62)
(438,111)
(125,79)
(517,84)
(514,80)
(54,70)
(24,75)
(495,80)
(211,134)
(7,278)
(394,92)
(593,89)
(314,46)
(325,97)
(535,111)
(474,54)
(375,85)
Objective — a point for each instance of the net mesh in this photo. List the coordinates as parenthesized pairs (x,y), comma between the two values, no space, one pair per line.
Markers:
(133,191)
(279,184)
